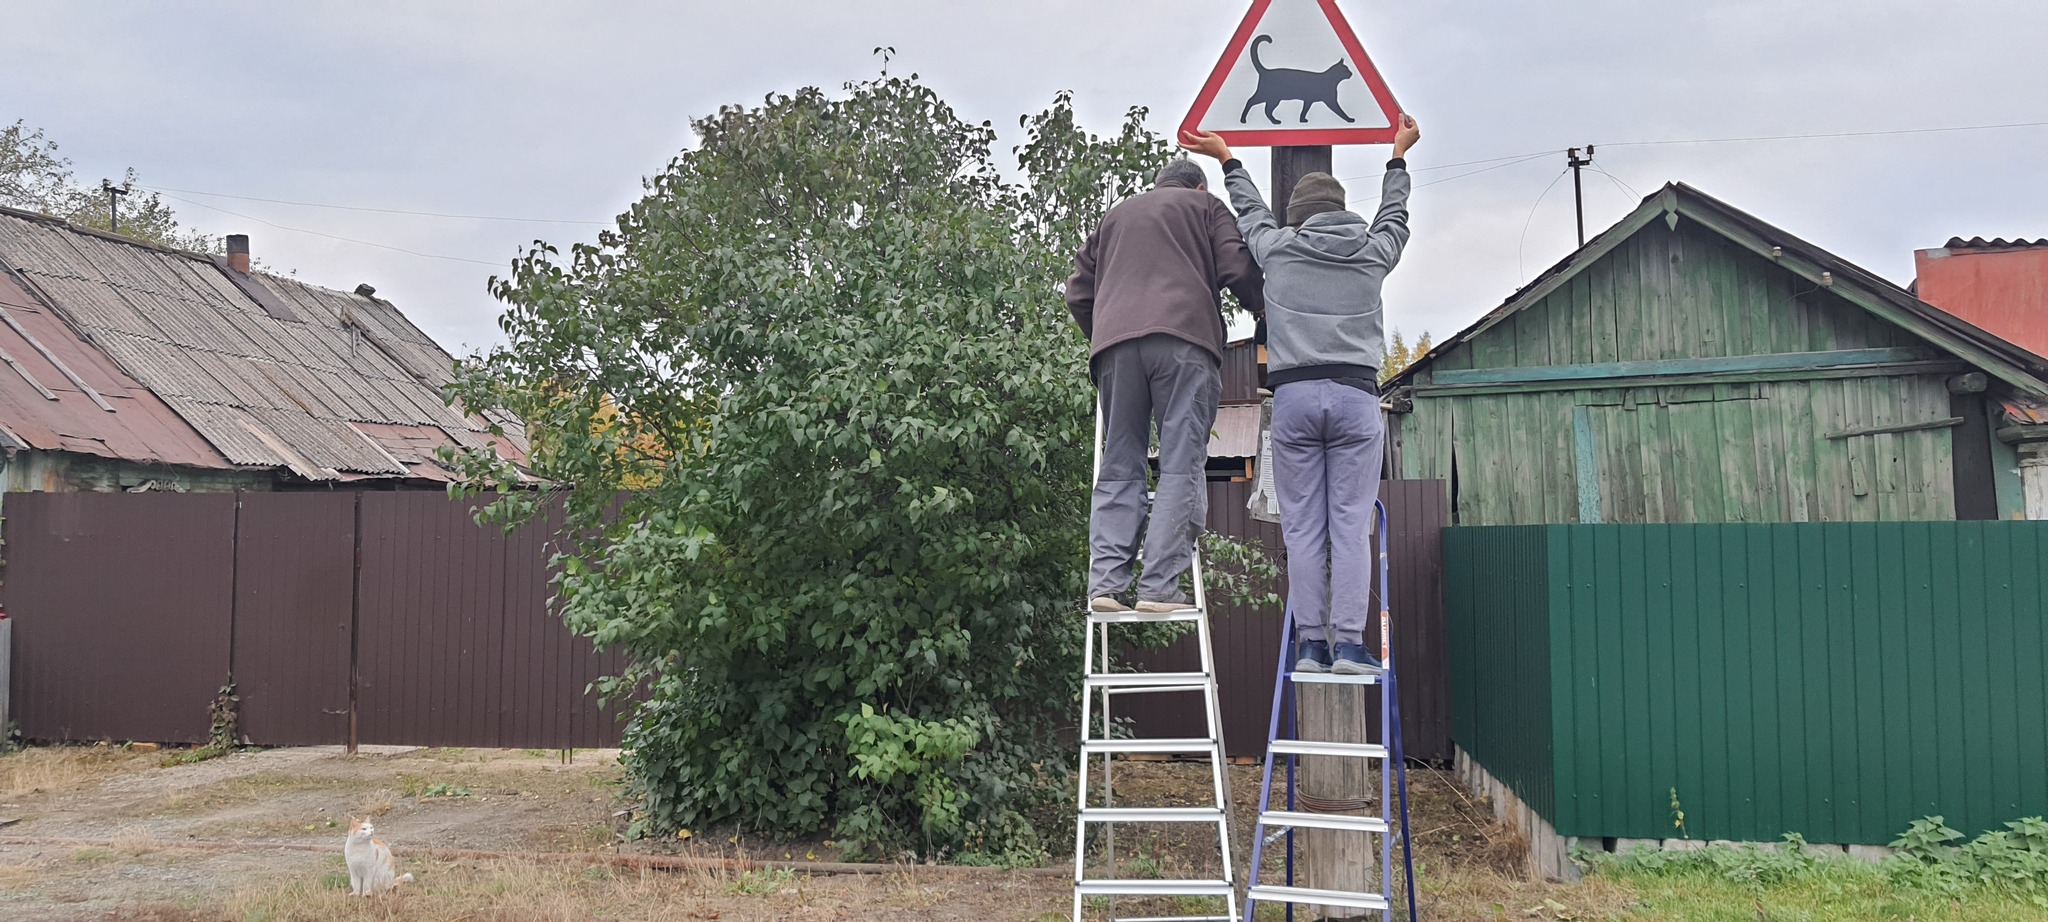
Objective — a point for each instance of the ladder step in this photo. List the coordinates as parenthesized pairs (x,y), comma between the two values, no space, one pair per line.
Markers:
(1155,888)
(1096,747)
(1300,895)
(1372,824)
(1331,678)
(1175,919)
(1144,617)
(1147,679)
(1151,815)
(1316,748)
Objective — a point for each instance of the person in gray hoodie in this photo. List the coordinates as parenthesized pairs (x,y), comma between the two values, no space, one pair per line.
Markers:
(1325,340)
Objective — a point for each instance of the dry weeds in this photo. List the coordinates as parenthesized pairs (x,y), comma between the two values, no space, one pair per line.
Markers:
(513,891)
(49,769)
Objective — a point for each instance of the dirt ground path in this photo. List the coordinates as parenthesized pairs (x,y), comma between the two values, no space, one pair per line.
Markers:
(97,833)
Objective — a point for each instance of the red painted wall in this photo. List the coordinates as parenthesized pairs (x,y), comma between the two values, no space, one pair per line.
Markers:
(2001,290)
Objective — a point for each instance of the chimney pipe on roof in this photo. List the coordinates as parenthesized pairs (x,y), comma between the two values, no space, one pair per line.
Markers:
(238,253)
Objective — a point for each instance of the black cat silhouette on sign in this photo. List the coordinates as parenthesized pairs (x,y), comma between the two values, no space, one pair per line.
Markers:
(1295,74)
(1279,84)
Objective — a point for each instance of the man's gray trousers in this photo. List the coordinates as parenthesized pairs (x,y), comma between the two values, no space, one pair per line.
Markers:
(1176,383)
(1327,443)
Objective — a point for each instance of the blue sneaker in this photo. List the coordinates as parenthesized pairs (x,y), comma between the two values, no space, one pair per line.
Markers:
(1353,660)
(1312,656)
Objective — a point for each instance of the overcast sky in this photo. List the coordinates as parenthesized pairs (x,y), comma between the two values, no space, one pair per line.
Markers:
(557,110)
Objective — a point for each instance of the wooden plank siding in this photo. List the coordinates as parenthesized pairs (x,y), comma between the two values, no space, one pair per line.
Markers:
(1711,379)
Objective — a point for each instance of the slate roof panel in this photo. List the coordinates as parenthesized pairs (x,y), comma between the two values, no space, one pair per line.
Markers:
(261,390)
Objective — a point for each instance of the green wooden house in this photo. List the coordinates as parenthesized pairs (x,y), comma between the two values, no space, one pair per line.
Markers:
(1735,471)
(1694,364)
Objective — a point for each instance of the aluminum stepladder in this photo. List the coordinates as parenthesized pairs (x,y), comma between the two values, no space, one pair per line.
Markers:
(1096,740)
(1393,775)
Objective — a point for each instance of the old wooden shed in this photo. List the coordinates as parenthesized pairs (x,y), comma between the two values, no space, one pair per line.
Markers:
(1695,364)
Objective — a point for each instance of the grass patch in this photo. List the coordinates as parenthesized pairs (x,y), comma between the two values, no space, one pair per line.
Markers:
(762,881)
(1836,889)
(244,790)
(1786,882)
(515,891)
(422,787)
(43,769)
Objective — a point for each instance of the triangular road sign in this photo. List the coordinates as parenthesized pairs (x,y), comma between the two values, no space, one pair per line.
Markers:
(1295,75)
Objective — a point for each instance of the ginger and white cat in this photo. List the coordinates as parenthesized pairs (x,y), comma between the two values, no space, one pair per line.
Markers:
(371,868)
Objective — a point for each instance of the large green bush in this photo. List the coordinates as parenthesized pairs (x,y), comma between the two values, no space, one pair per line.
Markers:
(826,363)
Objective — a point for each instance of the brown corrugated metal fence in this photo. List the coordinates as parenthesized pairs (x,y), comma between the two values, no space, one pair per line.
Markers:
(458,615)
(1248,642)
(294,587)
(129,610)
(121,606)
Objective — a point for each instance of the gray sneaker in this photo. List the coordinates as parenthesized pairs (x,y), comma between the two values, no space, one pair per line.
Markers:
(1312,656)
(1160,608)
(1353,660)
(1107,604)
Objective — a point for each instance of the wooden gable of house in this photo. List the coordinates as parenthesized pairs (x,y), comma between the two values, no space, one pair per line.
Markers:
(1674,371)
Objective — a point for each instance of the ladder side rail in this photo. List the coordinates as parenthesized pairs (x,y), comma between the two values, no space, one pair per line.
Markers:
(1087,699)
(1293,732)
(1392,699)
(1401,766)
(1266,784)
(1081,795)
(1108,760)
(1386,706)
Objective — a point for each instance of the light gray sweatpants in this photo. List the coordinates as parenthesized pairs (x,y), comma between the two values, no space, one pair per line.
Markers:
(1176,383)
(1327,444)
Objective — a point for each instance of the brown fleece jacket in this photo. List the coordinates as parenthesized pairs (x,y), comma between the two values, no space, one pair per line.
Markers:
(1156,265)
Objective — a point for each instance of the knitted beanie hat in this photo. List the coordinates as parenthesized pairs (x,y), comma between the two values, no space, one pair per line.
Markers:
(1315,194)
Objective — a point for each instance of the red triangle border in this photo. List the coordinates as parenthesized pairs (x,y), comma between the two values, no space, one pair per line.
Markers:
(1298,137)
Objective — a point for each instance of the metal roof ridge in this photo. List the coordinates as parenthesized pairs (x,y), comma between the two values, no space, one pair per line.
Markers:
(40,218)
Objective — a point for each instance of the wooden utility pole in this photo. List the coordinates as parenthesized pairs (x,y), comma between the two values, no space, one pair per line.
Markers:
(1578,166)
(114,194)
(1290,164)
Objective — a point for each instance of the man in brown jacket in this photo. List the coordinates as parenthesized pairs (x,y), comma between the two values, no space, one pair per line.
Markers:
(1145,291)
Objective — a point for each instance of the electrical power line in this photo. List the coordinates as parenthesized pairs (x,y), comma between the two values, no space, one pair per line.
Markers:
(1488,165)
(1452,166)
(1833,134)
(301,230)
(1619,182)
(1521,158)
(398,211)
(1522,249)
(1511,161)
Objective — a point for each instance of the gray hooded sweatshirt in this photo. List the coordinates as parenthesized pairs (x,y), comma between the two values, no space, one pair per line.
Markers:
(1323,280)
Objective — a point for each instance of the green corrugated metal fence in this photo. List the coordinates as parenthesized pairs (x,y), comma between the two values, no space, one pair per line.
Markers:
(1834,680)
(1500,665)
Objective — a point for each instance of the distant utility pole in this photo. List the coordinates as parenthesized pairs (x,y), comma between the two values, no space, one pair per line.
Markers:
(1579,188)
(114,194)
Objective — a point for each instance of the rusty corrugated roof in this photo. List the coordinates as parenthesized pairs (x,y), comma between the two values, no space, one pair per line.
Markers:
(2025,411)
(49,378)
(1997,243)
(265,387)
(1236,433)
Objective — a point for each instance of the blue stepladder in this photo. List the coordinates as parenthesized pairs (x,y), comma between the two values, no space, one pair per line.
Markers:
(1102,683)
(1281,824)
